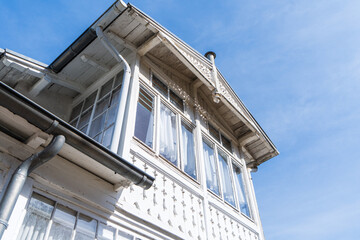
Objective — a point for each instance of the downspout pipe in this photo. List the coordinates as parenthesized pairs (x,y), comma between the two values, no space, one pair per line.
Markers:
(18,179)
(123,92)
(215,94)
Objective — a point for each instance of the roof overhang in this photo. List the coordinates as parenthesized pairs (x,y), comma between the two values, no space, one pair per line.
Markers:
(131,30)
(25,121)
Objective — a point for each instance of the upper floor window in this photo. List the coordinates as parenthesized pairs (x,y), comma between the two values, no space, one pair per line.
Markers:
(224,177)
(167,93)
(218,136)
(95,116)
(240,189)
(175,140)
(144,124)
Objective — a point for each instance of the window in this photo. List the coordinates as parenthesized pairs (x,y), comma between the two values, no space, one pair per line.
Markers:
(218,171)
(223,177)
(145,117)
(212,179)
(96,115)
(240,189)
(46,219)
(167,93)
(226,143)
(227,185)
(188,150)
(168,134)
(174,135)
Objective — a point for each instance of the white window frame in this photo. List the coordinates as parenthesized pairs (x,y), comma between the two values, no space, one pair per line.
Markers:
(231,160)
(181,117)
(92,108)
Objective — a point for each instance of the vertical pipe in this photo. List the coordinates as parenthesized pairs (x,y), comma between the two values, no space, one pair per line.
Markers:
(123,92)
(216,94)
(18,179)
(130,117)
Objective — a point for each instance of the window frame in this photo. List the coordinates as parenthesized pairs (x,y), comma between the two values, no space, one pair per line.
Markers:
(245,186)
(221,136)
(231,161)
(116,85)
(181,117)
(77,210)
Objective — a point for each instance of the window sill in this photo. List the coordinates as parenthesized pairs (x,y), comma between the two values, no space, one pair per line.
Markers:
(180,172)
(143,146)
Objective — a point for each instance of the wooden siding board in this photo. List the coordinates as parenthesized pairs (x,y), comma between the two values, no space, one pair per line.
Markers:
(138,41)
(261,152)
(124,32)
(256,147)
(137,32)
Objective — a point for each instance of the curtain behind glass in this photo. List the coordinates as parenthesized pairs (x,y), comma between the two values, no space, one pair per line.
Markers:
(187,151)
(63,223)
(244,207)
(144,118)
(226,184)
(210,168)
(168,141)
(37,219)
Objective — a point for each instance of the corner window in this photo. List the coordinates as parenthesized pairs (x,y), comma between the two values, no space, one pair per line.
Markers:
(240,189)
(95,116)
(227,184)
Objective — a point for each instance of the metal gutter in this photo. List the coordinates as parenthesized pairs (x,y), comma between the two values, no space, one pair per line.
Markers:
(20,175)
(48,122)
(87,37)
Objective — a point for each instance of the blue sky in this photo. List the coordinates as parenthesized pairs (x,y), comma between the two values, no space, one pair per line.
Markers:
(295,65)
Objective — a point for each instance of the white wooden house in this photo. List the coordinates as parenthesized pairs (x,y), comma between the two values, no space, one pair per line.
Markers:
(157,144)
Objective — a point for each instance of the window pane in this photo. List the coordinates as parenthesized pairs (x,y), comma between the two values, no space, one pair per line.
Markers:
(84,129)
(106,141)
(89,101)
(119,78)
(227,185)
(160,86)
(97,125)
(101,106)
(187,150)
(226,143)
(74,122)
(76,111)
(115,98)
(37,218)
(106,232)
(168,139)
(176,100)
(214,133)
(85,228)
(240,189)
(111,115)
(144,118)
(106,88)
(212,181)
(63,225)
(84,119)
